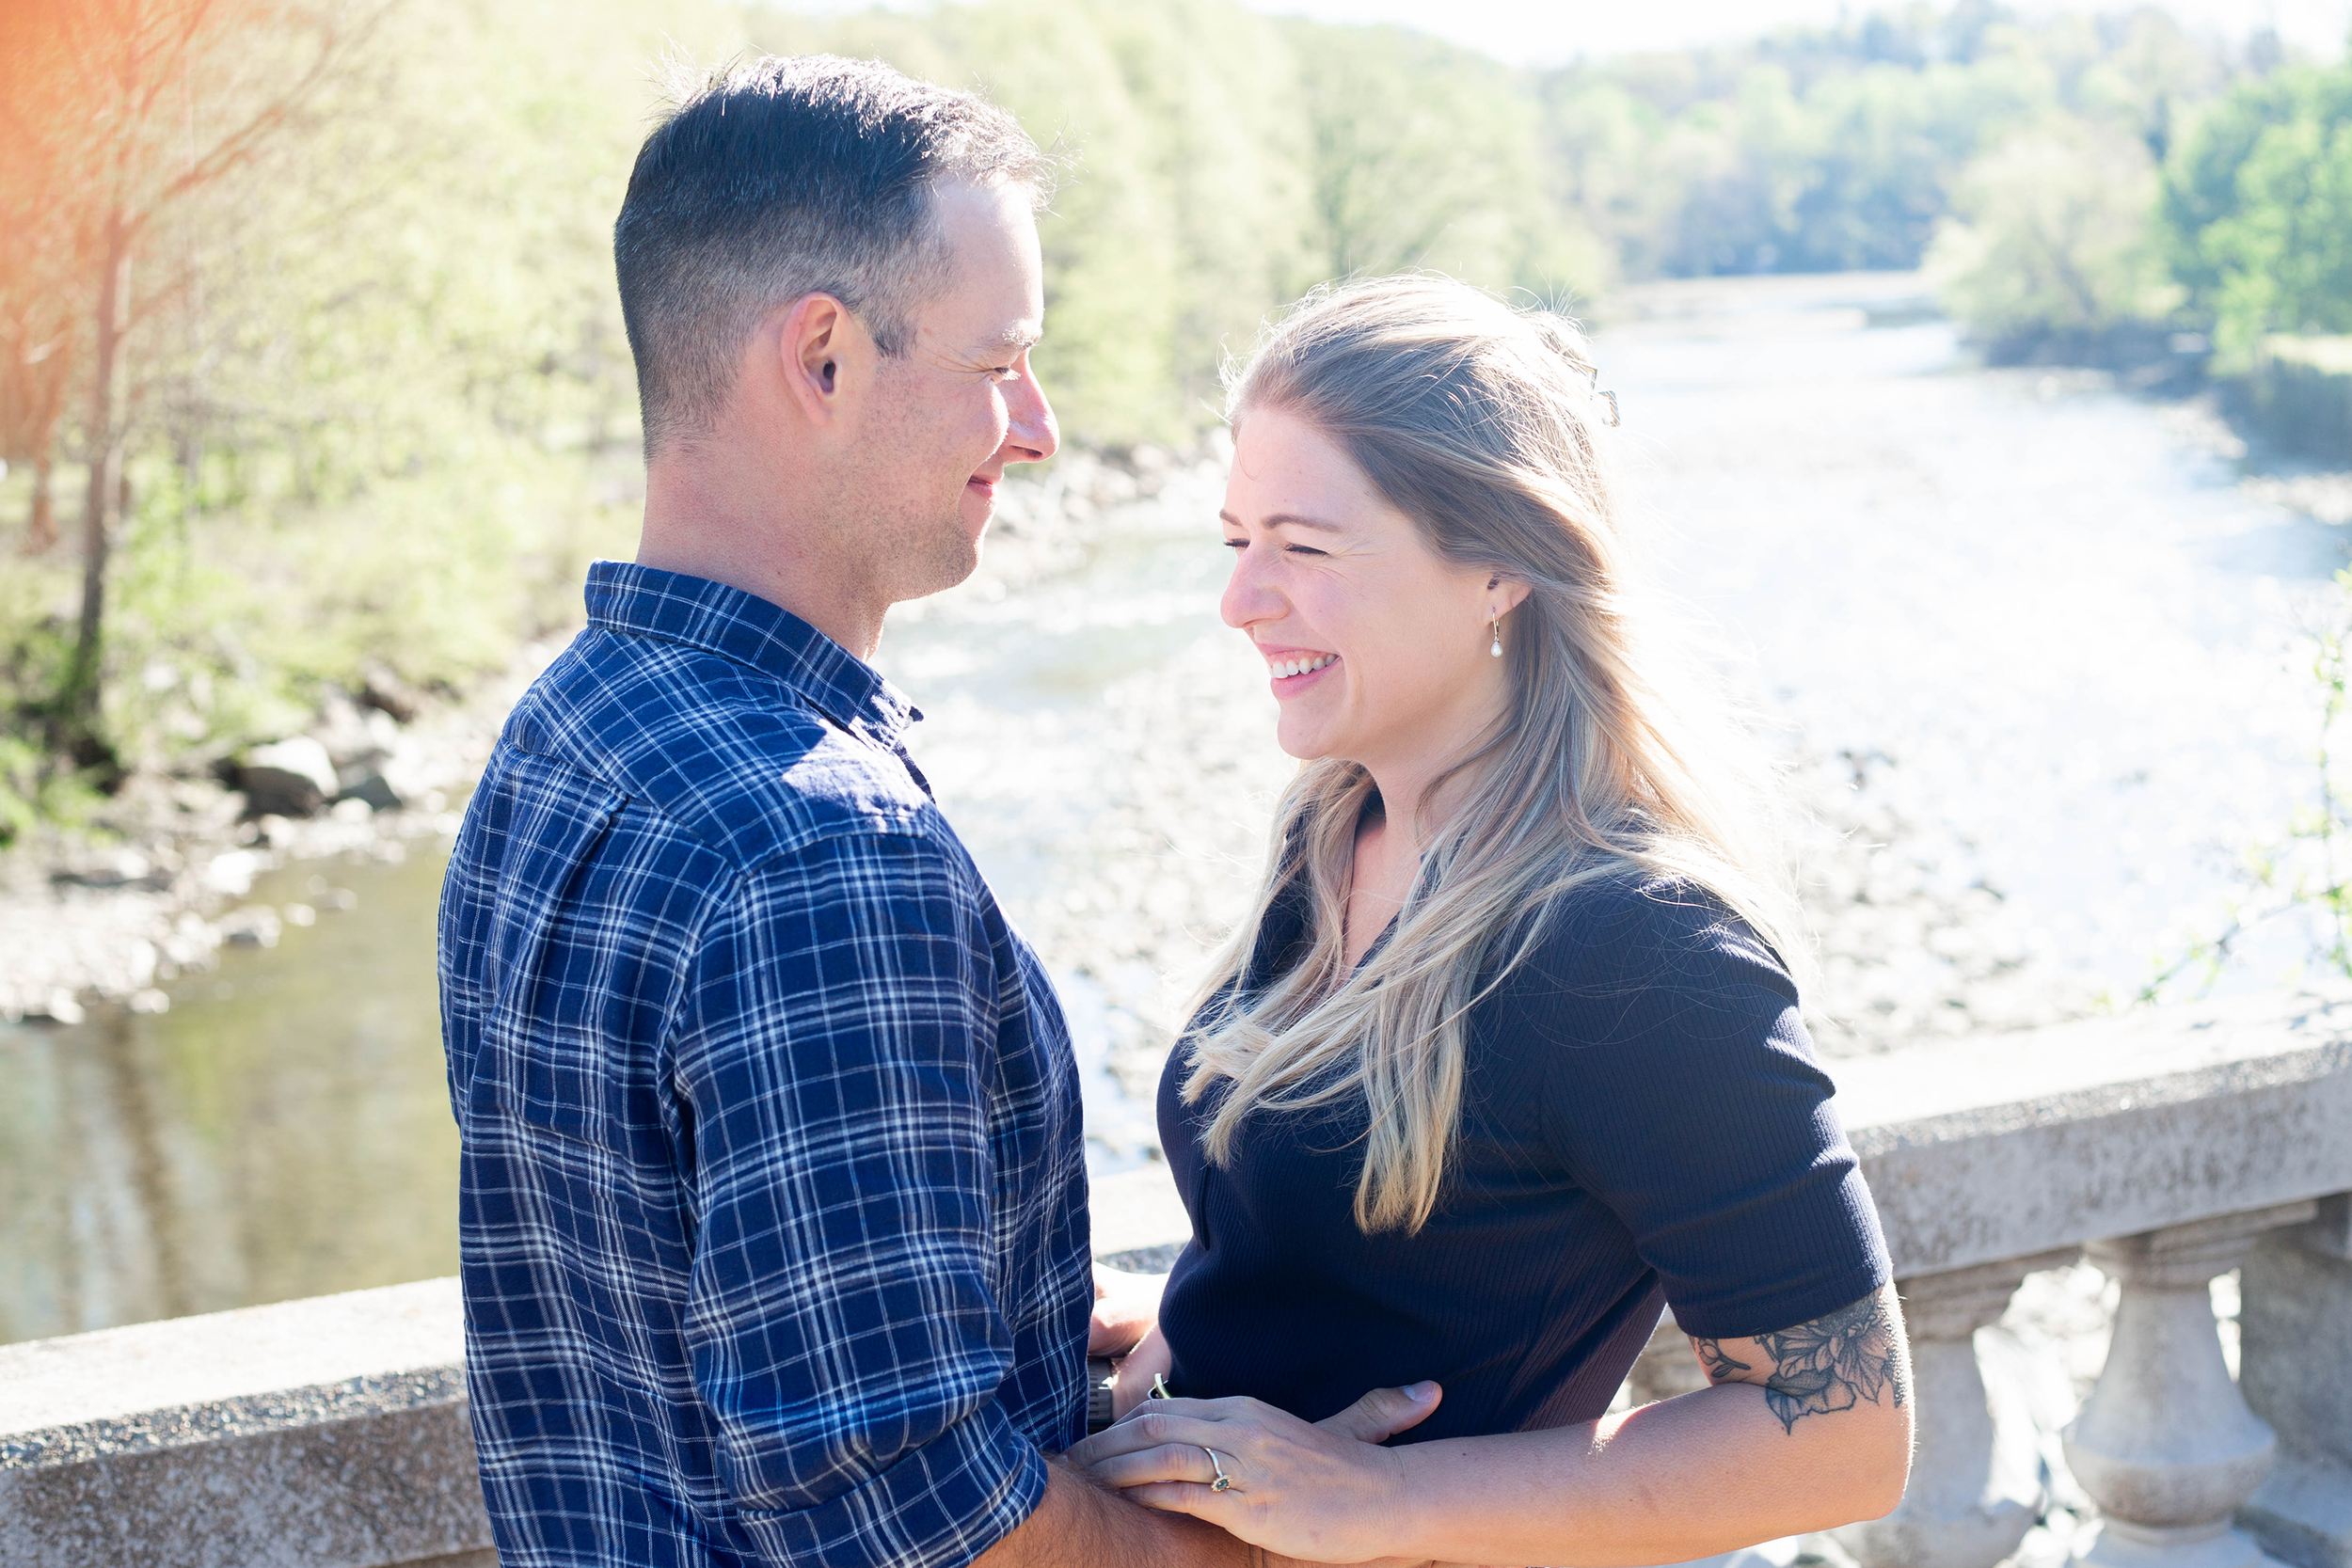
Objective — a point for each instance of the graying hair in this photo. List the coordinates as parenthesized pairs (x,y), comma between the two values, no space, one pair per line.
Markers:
(782,177)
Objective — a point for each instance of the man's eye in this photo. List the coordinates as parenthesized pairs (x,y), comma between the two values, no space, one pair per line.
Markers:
(1005,372)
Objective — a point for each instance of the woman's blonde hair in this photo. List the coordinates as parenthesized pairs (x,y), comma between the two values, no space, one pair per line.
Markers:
(1479,422)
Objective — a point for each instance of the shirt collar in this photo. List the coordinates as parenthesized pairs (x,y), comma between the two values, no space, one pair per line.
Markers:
(645,601)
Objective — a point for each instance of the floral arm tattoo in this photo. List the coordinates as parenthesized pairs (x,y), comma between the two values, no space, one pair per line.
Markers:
(1828,1364)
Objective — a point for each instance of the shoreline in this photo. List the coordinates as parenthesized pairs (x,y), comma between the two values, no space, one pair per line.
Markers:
(1128,889)
(157,886)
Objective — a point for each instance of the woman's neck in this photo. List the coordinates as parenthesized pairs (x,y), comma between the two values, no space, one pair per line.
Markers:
(1390,839)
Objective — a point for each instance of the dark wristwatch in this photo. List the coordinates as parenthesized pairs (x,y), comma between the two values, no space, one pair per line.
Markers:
(1099,1375)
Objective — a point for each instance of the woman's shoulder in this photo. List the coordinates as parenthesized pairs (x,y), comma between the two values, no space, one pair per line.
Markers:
(1638,930)
(1633,975)
(1640,1002)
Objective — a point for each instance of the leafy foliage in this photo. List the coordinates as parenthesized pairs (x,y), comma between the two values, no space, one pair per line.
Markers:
(378,407)
(2258,208)
(2054,236)
(2302,879)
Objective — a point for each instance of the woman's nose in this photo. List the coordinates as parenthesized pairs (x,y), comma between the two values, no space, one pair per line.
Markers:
(1249,597)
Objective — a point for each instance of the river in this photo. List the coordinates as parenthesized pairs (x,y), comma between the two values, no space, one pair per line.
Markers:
(2026,646)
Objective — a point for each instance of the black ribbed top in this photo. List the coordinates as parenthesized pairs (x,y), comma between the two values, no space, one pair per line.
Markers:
(1642,1115)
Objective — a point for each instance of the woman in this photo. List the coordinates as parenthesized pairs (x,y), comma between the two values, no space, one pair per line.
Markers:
(1508,1047)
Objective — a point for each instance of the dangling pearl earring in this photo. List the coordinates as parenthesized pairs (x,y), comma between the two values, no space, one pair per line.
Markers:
(1495,627)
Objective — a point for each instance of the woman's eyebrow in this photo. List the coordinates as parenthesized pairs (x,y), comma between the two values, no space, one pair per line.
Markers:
(1295,519)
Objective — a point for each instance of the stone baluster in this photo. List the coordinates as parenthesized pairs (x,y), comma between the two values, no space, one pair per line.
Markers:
(2294,1363)
(2165,1445)
(1976,1485)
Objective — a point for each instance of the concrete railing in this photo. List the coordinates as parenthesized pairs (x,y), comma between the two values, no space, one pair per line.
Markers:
(2169,1149)
(324,1431)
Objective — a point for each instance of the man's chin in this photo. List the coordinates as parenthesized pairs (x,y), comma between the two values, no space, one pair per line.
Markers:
(954,555)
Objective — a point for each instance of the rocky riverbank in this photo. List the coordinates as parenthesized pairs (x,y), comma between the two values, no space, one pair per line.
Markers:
(1125,820)
(1118,786)
(1106,747)
(158,882)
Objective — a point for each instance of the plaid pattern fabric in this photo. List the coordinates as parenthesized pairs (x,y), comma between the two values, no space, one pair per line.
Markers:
(773,1200)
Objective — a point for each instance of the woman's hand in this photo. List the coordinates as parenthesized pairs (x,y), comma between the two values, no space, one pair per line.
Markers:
(1126,1307)
(1322,1492)
(1132,1376)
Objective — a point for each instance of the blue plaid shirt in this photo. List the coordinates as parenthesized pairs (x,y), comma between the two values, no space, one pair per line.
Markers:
(773,1203)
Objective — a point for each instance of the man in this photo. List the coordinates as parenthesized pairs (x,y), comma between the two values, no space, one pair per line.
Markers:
(773,1226)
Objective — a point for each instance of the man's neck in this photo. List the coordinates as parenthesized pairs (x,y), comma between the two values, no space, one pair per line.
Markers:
(707,530)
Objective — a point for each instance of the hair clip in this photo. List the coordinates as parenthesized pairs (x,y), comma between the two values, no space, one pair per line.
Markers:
(1600,391)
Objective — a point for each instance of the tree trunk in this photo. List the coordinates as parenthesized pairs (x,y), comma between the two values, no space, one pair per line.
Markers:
(40,528)
(100,509)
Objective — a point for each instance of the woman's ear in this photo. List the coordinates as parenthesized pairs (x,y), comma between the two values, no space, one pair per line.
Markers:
(1504,595)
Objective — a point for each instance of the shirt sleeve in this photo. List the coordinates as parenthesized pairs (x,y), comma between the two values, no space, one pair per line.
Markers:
(833,1065)
(1682,1091)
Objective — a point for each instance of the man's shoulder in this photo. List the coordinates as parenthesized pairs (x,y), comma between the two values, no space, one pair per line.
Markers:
(734,758)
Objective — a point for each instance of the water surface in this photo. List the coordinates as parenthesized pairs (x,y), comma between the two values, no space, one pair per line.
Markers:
(282,1132)
(2036,621)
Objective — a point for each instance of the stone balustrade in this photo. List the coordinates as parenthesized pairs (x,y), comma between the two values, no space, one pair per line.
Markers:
(2168,1149)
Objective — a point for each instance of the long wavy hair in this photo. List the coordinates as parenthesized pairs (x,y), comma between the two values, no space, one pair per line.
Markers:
(1479,422)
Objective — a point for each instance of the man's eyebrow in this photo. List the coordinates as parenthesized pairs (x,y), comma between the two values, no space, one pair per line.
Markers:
(1014,338)
(1295,519)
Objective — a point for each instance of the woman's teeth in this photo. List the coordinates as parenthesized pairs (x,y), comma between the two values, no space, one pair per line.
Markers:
(1284,669)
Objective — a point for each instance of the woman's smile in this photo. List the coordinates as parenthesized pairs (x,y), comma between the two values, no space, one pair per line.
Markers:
(1293,669)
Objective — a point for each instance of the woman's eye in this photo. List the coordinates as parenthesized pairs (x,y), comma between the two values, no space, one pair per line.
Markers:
(1236,544)
(1303,549)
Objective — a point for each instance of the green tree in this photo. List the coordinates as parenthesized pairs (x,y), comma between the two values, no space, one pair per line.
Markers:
(2285,257)
(1424,155)
(2258,209)
(2053,235)
(1180,220)
(379,406)
(102,99)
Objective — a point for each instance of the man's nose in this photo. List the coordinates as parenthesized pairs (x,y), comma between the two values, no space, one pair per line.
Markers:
(1032,436)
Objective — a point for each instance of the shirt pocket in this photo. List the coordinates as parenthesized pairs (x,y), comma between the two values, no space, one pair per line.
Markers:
(545,1058)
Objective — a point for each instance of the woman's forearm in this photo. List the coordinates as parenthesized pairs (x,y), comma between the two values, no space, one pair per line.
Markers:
(1688,1477)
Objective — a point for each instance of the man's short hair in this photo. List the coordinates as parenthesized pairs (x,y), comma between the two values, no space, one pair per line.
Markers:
(779,178)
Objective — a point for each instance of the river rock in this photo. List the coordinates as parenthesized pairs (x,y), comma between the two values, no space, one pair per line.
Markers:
(385,692)
(255,925)
(358,739)
(374,791)
(122,868)
(287,778)
(58,1007)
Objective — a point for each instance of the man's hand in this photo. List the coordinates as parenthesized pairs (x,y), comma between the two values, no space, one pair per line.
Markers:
(1125,1307)
(1135,1371)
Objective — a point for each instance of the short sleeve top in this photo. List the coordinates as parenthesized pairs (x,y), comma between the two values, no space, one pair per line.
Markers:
(1642,1118)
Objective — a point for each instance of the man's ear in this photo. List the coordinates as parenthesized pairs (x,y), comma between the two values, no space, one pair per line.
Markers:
(826,356)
